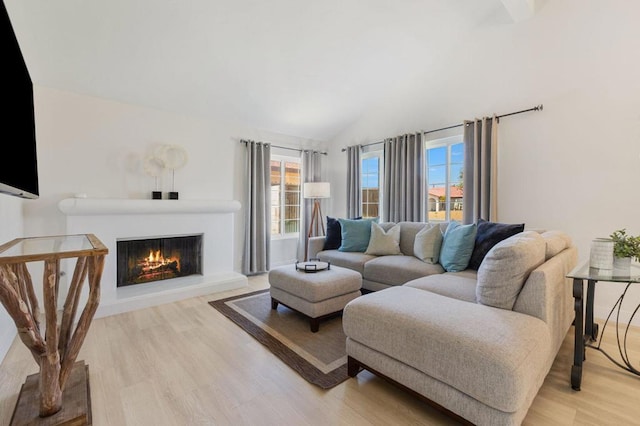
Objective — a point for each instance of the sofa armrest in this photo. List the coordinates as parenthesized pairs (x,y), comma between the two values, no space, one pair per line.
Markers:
(315,246)
(547,294)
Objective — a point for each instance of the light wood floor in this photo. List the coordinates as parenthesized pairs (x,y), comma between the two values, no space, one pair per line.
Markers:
(185,364)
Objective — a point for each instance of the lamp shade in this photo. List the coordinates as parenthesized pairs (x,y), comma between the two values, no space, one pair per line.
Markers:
(317,190)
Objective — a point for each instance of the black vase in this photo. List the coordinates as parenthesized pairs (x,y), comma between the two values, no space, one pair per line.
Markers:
(156,195)
(173,195)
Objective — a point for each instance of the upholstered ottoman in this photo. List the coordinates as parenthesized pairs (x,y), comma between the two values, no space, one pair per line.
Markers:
(318,295)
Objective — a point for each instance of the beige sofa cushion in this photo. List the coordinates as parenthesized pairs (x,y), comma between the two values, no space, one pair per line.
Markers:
(507,266)
(457,285)
(347,259)
(397,270)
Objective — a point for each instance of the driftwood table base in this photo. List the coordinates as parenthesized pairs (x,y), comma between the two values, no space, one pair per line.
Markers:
(54,339)
(76,401)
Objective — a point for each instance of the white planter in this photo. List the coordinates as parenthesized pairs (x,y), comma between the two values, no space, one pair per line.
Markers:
(601,255)
(621,266)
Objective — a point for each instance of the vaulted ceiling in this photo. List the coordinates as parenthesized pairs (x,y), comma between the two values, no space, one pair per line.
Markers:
(295,67)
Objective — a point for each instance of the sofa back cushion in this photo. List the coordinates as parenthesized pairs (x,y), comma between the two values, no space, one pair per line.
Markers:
(556,242)
(408,231)
(457,246)
(507,266)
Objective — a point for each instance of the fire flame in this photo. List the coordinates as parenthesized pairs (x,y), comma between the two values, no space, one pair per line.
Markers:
(156,260)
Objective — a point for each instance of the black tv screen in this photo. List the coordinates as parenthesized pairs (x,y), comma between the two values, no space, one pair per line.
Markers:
(19,174)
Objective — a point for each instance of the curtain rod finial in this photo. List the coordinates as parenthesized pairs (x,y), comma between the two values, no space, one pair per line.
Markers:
(539,107)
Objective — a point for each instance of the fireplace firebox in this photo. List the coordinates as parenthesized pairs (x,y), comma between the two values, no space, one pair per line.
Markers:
(145,260)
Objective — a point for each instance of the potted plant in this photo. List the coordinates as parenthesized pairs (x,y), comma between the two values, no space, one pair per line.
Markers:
(625,248)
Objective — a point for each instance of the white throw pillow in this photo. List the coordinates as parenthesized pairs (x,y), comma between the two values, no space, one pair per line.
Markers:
(427,243)
(383,243)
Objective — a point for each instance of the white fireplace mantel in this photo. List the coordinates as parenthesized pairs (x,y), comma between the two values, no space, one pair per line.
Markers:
(115,206)
(112,219)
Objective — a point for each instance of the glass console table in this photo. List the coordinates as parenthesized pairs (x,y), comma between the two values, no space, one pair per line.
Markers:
(60,391)
(586,330)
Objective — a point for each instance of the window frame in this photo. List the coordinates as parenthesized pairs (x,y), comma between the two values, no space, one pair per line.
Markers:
(283,159)
(373,153)
(448,142)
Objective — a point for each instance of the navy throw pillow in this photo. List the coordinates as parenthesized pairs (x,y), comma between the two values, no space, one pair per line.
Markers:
(488,235)
(333,239)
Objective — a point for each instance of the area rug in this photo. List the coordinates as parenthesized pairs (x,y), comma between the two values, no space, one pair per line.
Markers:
(320,358)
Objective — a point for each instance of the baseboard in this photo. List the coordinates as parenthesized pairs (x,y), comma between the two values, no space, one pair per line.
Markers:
(132,299)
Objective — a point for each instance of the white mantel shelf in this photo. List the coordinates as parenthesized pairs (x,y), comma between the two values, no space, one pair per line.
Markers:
(120,206)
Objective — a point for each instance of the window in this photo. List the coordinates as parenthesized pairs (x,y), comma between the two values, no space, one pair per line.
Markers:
(445,165)
(370,178)
(285,196)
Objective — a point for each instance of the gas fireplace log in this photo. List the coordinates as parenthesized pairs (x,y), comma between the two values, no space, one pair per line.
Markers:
(71,304)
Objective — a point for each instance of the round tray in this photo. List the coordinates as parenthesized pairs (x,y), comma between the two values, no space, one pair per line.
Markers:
(313,266)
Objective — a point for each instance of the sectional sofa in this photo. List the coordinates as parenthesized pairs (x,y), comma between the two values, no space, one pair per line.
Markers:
(475,343)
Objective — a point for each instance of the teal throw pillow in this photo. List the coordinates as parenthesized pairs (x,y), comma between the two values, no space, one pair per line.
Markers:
(457,246)
(355,234)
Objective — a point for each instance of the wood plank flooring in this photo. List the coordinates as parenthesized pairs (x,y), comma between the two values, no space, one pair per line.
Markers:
(184,363)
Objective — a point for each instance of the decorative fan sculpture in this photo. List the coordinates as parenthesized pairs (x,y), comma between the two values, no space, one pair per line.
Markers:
(173,157)
(153,166)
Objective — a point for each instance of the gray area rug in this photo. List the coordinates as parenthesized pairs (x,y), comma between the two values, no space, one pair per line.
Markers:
(320,358)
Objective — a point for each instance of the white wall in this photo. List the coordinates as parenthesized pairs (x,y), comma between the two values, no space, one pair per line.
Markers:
(10,228)
(574,166)
(96,146)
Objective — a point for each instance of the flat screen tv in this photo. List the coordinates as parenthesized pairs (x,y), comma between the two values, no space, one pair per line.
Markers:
(19,172)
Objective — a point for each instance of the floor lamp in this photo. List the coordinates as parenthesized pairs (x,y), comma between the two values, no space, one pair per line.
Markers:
(315,191)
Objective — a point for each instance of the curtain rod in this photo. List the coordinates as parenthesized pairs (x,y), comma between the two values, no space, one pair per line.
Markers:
(291,149)
(535,108)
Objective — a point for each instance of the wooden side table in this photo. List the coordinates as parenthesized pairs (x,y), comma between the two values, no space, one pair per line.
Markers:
(55,348)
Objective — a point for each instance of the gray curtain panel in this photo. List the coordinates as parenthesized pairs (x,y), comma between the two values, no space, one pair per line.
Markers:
(354,193)
(257,207)
(311,166)
(404,179)
(480,174)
